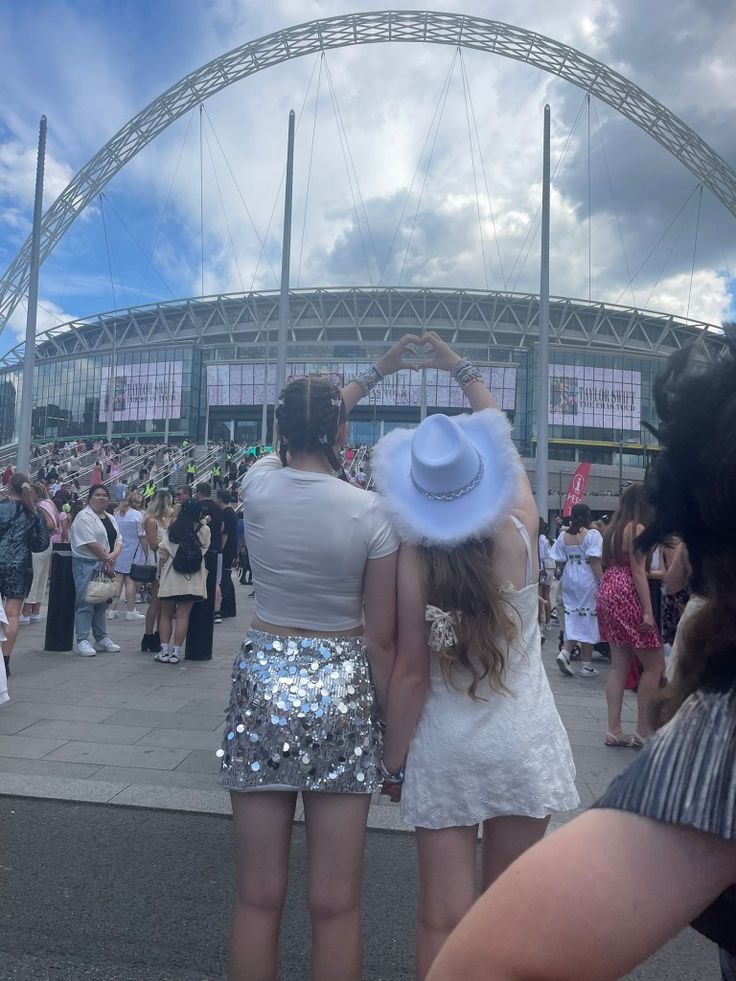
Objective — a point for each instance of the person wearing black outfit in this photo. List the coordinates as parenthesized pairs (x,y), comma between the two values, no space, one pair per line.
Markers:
(229,553)
(202,617)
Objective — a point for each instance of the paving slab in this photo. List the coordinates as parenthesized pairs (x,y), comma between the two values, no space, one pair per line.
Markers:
(46,768)
(182,739)
(87,732)
(27,748)
(167,720)
(157,758)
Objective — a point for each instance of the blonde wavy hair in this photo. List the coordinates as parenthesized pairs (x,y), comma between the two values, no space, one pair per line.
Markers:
(160,507)
(462,581)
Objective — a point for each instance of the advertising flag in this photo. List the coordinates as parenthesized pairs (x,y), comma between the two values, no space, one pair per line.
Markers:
(576,490)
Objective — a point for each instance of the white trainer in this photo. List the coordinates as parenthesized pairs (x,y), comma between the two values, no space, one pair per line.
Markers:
(85,648)
(35,617)
(134,615)
(112,614)
(24,619)
(107,644)
(563,663)
(588,671)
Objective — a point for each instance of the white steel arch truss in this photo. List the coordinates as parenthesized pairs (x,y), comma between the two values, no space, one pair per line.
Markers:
(421,26)
(371,317)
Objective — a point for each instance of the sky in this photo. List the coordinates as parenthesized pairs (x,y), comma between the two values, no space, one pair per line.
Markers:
(414,165)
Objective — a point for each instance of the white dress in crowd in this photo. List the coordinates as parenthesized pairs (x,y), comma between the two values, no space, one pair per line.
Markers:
(579,586)
(131,530)
(499,754)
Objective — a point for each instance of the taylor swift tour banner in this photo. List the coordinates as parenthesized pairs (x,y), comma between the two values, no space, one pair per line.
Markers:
(602,398)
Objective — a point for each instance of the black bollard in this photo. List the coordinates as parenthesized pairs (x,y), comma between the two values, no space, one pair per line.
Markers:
(202,618)
(62,596)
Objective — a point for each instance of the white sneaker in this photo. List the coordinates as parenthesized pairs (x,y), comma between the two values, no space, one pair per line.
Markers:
(587,671)
(106,644)
(24,619)
(134,615)
(35,617)
(563,663)
(112,614)
(85,648)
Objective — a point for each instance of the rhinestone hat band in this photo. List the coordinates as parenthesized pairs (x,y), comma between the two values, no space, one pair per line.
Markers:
(452,495)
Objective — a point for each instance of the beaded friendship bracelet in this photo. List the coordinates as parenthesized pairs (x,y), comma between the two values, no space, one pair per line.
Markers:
(368,379)
(465,373)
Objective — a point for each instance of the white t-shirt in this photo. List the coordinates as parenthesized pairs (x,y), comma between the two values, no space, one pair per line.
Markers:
(309,536)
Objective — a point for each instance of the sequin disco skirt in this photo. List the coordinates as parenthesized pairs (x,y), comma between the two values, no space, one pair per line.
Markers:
(302,715)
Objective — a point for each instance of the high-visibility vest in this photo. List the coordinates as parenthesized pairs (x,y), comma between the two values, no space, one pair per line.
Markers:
(191,468)
(216,470)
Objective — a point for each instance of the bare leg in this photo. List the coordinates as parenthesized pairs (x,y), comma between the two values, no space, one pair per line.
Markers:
(652,662)
(130,591)
(620,664)
(586,655)
(262,824)
(182,622)
(335,825)
(152,613)
(446,887)
(167,612)
(504,839)
(12,611)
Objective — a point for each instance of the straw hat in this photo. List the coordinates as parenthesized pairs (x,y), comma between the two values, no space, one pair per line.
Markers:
(451,479)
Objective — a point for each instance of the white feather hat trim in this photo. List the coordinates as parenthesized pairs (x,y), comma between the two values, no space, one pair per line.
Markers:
(450,480)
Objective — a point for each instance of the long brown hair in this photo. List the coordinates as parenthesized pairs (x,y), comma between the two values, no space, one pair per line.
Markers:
(20,485)
(462,581)
(310,412)
(632,511)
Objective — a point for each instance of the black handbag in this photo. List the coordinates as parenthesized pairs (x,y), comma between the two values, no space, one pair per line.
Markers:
(140,572)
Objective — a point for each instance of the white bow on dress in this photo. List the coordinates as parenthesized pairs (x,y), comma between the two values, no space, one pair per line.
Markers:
(442,633)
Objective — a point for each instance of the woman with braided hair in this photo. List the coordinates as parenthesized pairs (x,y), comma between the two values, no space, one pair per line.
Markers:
(311,678)
(660,846)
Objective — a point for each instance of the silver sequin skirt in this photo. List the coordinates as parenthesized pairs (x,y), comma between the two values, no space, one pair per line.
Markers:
(302,715)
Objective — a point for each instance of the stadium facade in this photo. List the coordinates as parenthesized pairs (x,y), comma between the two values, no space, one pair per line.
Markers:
(208,364)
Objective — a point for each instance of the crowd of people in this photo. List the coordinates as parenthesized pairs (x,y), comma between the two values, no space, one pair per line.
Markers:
(395,646)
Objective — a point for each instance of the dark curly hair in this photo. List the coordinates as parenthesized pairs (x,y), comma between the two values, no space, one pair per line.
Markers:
(309,413)
(692,491)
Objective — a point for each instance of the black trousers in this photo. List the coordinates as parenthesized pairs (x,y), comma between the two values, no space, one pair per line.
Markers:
(202,617)
(227,606)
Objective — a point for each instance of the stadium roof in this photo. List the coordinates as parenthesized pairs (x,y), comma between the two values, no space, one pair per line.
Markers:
(374,316)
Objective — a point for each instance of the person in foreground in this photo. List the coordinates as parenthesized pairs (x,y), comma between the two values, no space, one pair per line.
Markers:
(469,700)
(310,680)
(658,851)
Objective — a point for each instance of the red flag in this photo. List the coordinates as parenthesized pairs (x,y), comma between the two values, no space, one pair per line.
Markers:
(576,490)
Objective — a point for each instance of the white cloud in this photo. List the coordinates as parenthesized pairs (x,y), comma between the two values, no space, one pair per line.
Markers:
(49,314)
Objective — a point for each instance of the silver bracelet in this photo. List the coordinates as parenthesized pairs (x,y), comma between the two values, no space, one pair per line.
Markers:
(388,776)
(465,373)
(368,379)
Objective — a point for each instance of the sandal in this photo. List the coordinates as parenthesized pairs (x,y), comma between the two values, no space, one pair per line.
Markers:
(620,738)
(638,741)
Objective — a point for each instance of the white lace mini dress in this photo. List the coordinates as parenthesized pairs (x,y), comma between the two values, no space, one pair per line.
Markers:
(475,759)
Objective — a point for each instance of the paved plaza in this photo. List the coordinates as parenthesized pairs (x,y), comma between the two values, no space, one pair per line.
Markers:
(123,729)
(120,729)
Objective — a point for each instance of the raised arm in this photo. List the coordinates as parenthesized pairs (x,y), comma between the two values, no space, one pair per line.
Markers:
(477,393)
(392,361)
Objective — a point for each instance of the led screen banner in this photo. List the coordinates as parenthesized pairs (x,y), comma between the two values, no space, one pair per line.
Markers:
(245,384)
(603,398)
(142,391)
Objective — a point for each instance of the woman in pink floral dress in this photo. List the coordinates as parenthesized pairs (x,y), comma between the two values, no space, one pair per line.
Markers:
(626,619)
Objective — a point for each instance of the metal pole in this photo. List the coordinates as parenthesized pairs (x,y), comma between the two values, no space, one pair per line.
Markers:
(423,407)
(207,426)
(285,262)
(25,422)
(542,461)
(264,414)
(111,382)
(167,406)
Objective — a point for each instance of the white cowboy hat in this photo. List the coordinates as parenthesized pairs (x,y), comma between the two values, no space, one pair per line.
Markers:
(452,479)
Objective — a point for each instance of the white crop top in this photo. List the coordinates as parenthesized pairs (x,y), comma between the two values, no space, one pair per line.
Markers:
(309,536)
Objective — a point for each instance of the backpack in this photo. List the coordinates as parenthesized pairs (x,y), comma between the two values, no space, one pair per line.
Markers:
(188,558)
